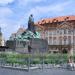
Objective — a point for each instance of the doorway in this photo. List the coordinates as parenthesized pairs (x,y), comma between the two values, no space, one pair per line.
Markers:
(64,50)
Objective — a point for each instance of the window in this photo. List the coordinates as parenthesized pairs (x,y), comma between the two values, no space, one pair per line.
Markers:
(54,40)
(50,33)
(70,31)
(74,40)
(64,31)
(60,31)
(65,40)
(50,40)
(60,40)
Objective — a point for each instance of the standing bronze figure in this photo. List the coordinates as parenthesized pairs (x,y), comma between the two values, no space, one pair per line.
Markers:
(31,26)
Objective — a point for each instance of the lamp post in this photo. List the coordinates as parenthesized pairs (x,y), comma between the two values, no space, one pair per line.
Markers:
(29,52)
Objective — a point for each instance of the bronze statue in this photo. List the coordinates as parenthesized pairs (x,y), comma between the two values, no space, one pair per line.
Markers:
(31,26)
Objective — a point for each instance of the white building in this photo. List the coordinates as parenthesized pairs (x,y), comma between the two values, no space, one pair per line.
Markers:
(59,32)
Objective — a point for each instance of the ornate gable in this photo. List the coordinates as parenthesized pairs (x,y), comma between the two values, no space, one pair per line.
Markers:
(65,25)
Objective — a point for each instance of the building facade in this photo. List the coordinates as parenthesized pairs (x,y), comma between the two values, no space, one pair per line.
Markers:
(2,42)
(19,32)
(59,32)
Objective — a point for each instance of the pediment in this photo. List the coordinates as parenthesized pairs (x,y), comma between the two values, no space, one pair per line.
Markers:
(65,25)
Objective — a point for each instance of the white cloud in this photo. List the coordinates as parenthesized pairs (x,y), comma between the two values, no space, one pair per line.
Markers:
(8,28)
(38,0)
(26,2)
(55,9)
(3,25)
(4,2)
(5,12)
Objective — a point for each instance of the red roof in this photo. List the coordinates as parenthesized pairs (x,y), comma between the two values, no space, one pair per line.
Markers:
(56,19)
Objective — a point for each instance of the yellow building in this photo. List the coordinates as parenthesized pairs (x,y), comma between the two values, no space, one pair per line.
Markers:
(1,39)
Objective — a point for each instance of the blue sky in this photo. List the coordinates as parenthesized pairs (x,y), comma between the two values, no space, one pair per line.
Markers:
(15,13)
